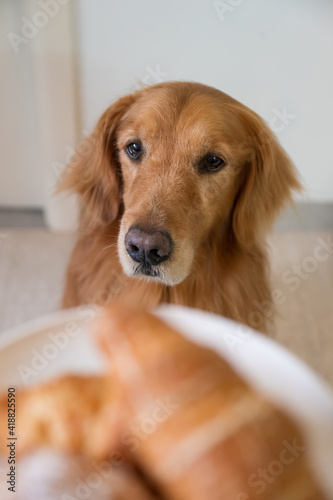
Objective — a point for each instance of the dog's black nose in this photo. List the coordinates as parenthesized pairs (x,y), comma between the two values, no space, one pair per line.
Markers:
(148,248)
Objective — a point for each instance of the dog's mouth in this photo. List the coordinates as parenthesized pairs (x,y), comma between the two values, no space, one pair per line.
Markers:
(147,270)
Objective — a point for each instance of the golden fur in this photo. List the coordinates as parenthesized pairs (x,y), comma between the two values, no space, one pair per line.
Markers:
(217,221)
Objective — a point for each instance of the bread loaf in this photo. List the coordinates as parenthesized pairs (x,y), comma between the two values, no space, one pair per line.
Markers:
(193,424)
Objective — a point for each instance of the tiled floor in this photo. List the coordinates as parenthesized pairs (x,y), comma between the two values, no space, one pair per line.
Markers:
(302,264)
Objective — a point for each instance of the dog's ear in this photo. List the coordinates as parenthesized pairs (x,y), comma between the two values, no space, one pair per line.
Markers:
(94,171)
(268,181)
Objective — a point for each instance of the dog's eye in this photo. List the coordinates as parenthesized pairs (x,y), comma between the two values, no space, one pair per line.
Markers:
(134,150)
(211,163)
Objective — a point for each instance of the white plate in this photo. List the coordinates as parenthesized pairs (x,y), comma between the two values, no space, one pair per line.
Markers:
(61,343)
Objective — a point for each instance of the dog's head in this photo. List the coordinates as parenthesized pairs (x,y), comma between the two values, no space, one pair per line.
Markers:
(177,163)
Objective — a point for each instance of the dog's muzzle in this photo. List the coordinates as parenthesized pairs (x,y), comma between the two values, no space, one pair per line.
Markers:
(149,249)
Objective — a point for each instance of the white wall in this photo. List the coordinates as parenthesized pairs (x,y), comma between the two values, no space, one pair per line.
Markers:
(38,106)
(20,170)
(271,55)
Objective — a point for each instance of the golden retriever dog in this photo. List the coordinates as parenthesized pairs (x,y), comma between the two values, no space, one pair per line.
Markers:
(179,184)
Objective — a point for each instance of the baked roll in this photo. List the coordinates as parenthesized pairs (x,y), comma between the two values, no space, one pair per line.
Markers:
(174,409)
(193,424)
(66,434)
(73,414)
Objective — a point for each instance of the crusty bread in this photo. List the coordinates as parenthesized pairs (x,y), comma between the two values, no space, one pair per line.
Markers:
(71,413)
(195,426)
(175,410)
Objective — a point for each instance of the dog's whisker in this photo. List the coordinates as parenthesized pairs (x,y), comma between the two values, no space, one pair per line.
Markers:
(106,248)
